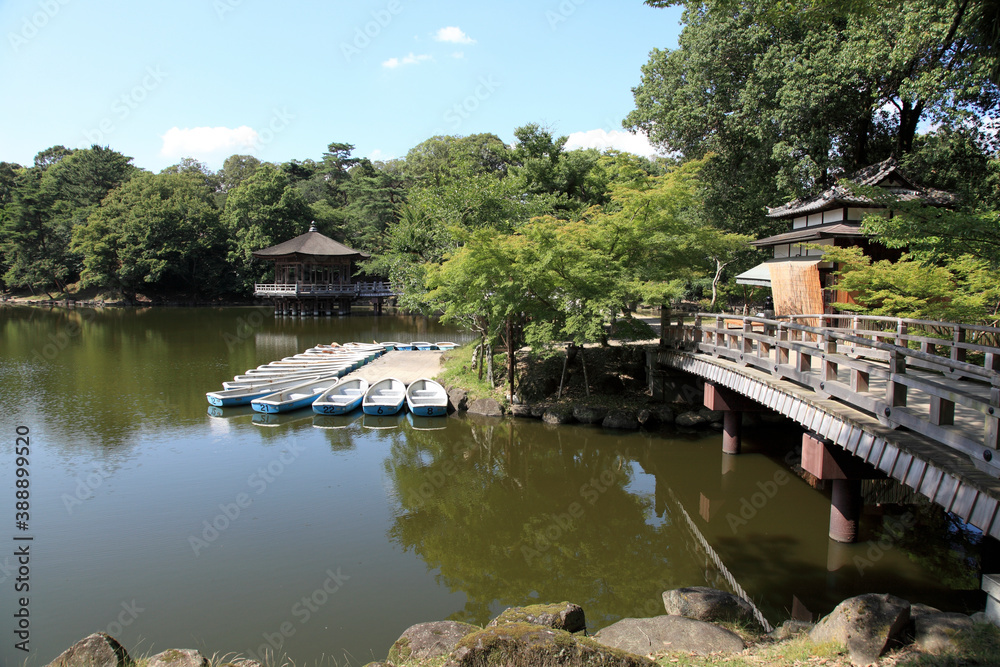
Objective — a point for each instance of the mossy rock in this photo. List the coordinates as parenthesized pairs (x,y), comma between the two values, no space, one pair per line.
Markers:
(527,645)
(425,641)
(562,616)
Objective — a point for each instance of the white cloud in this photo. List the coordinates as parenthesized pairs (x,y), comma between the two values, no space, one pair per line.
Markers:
(200,142)
(617,139)
(409,59)
(453,34)
(376,154)
(458,54)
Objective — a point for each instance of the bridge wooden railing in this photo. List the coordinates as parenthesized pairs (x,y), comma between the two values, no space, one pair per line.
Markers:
(868,363)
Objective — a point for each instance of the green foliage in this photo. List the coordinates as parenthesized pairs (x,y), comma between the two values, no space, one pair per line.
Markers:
(963,289)
(157,230)
(265,209)
(788,96)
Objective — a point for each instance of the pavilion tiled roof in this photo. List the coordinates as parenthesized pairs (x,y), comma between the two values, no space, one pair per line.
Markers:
(310,243)
(873,175)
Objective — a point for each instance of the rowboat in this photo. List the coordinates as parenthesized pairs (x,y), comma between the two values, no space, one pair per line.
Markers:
(244,395)
(385,397)
(341,398)
(404,346)
(390,345)
(293,398)
(261,379)
(423,345)
(426,398)
(446,345)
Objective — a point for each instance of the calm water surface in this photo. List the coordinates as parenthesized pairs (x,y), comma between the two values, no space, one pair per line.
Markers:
(322,539)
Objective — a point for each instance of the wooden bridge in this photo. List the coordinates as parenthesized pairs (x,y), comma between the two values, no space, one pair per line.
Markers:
(913,400)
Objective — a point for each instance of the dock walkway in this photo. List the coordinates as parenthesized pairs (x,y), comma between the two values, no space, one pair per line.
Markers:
(404,365)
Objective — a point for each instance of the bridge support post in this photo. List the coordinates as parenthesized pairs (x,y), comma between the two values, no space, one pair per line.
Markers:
(732,405)
(829,462)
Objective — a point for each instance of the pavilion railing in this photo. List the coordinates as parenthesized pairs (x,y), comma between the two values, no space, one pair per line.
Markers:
(360,289)
(872,363)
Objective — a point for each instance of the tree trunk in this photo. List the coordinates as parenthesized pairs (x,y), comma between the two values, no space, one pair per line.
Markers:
(510,358)
(719,266)
(909,116)
(586,382)
(489,366)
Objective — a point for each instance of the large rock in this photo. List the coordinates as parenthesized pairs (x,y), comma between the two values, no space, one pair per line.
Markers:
(486,406)
(558,414)
(563,616)
(424,641)
(458,399)
(521,410)
(97,650)
(661,634)
(590,414)
(621,419)
(647,418)
(692,418)
(526,644)
(712,416)
(707,604)
(174,657)
(865,624)
(664,413)
(937,632)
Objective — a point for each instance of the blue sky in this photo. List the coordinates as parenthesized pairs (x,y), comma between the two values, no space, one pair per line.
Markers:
(161,80)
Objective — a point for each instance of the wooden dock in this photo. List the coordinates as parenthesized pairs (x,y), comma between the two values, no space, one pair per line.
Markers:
(404,365)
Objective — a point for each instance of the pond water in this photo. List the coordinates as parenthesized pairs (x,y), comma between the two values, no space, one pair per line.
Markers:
(170,525)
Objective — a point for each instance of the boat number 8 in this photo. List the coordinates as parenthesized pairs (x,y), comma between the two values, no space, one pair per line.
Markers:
(430,411)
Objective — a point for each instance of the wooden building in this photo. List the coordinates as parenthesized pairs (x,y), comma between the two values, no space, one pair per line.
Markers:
(797,275)
(315,275)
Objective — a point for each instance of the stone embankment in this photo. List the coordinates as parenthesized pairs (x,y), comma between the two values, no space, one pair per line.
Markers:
(862,629)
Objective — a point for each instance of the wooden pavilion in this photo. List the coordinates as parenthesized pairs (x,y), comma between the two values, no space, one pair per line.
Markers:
(314,275)
(797,275)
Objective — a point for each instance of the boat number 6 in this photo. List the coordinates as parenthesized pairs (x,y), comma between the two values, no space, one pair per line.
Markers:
(380,410)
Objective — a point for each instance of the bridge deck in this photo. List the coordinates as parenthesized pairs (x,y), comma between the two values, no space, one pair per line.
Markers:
(927,421)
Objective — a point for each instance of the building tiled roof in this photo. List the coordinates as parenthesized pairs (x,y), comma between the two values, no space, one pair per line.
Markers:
(809,234)
(873,175)
(310,243)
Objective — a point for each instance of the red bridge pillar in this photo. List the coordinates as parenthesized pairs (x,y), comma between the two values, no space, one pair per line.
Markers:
(829,462)
(732,405)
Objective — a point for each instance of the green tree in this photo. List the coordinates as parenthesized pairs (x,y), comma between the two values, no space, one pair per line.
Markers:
(265,209)
(158,231)
(963,289)
(788,100)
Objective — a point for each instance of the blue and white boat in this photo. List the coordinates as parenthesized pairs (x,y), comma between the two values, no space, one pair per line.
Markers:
(444,345)
(423,345)
(385,397)
(426,398)
(244,395)
(293,398)
(341,398)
